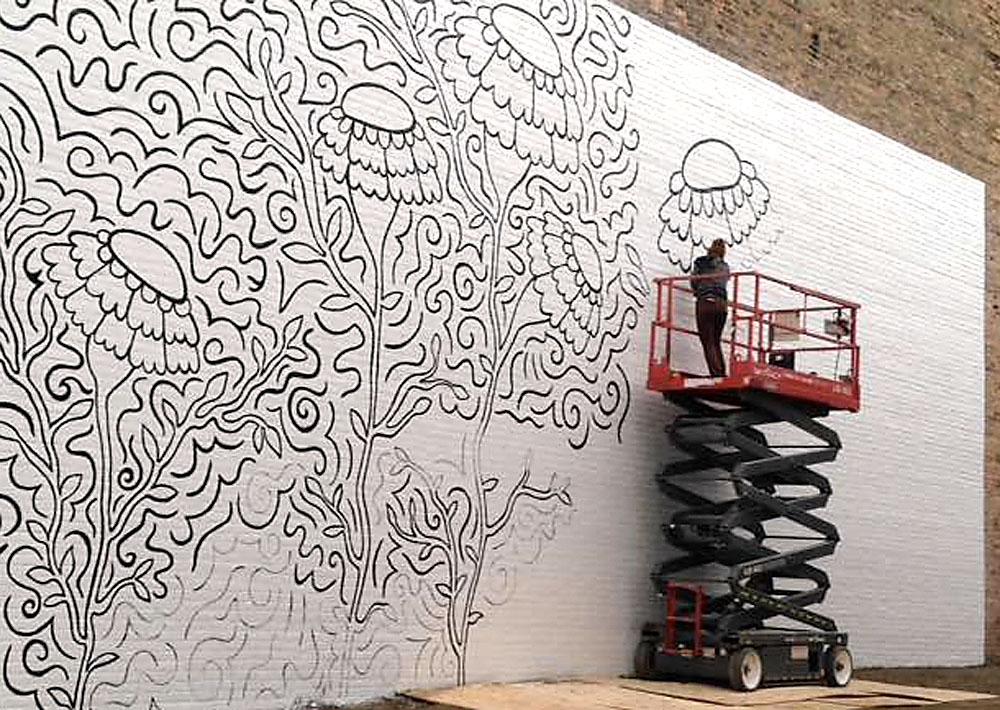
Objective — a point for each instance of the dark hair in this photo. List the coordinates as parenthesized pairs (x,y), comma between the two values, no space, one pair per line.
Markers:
(718,248)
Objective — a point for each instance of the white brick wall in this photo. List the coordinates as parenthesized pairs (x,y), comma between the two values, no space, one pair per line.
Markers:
(264,434)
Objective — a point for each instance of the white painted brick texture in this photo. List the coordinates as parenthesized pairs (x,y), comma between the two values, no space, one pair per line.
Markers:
(259,569)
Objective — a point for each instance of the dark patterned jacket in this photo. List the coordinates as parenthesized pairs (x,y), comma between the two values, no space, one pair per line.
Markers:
(710,287)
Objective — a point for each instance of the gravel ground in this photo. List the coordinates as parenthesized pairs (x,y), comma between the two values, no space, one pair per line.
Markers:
(982,679)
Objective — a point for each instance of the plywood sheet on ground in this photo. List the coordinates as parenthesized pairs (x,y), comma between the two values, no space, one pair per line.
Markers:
(721,695)
(630,694)
(556,696)
(939,695)
(876,701)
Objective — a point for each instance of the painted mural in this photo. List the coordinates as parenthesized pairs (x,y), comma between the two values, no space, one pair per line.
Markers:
(253,257)
(714,195)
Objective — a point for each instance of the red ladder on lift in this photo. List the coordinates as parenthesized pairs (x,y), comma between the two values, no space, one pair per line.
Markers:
(673,617)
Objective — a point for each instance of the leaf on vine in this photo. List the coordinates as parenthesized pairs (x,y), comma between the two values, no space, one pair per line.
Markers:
(633,256)
(292,329)
(478,221)
(170,413)
(425,552)
(70,485)
(393,517)
(443,589)
(452,509)
(338,494)
(422,406)
(40,575)
(505,284)
(337,302)
(258,439)
(486,363)
(240,108)
(67,565)
(141,591)
(75,412)
(34,206)
(515,263)
(37,531)
(333,531)
(254,149)
(273,440)
(257,350)
(265,52)
(358,425)
(335,225)
(143,568)
(564,497)
(314,487)
(438,126)
(475,617)
(215,387)
(636,284)
(105,659)
(60,697)
(460,583)
(392,299)
(149,444)
(54,600)
(472,554)
(284,83)
(55,223)
(162,494)
(460,122)
(490,483)
(302,253)
(420,21)
(296,355)
(48,312)
(426,94)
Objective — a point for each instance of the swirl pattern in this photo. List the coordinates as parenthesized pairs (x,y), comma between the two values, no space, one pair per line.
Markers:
(251,257)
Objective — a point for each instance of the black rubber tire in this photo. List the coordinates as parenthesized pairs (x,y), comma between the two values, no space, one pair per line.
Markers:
(643,661)
(746,669)
(838,666)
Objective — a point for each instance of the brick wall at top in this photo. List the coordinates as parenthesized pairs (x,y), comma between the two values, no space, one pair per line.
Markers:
(925,74)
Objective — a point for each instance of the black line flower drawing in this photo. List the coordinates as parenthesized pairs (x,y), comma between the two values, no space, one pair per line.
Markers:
(372,141)
(506,65)
(568,276)
(715,195)
(128,293)
(388,155)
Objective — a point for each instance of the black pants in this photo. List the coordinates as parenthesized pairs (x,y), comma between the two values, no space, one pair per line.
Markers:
(711,316)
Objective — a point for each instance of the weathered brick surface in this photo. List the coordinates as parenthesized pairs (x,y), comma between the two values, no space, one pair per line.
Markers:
(925,74)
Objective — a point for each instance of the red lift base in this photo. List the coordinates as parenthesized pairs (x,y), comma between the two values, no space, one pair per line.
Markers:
(802,387)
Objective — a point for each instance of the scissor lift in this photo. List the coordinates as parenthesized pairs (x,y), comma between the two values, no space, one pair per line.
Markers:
(748,532)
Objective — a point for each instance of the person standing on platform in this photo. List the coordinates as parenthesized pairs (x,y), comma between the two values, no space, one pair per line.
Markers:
(712,304)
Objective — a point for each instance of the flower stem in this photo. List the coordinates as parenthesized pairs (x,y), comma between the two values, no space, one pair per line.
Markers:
(102,418)
(355,617)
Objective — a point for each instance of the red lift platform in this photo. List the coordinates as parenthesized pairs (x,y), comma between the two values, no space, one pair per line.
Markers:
(748,499)
(781,338)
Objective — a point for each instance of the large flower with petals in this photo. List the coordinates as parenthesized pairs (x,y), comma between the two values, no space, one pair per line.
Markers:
(569,276)
(715,195)
(506,65)
(128,294)
(371,140)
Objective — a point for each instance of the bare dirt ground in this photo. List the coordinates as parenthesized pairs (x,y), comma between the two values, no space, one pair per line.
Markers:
(981,679)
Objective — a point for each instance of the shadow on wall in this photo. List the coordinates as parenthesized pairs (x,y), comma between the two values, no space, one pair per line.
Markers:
(248,259)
